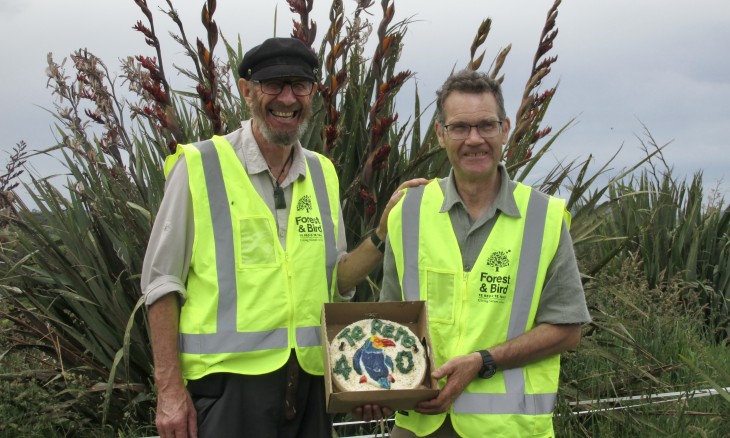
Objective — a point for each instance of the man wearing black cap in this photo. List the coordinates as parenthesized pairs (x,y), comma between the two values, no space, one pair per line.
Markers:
(248,243)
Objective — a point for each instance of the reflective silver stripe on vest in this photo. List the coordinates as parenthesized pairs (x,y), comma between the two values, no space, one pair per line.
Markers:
(411,224)
(325,213)
(516,404)
(227,339)
(237,342)
(309,336)
(225,261)
(234,342)
(514,379)
(514,401)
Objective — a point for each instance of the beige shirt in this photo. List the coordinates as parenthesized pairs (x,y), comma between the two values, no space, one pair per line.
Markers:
(562,300)
(169,250)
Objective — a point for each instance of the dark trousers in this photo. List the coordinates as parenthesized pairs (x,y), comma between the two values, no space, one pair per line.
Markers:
(236,405)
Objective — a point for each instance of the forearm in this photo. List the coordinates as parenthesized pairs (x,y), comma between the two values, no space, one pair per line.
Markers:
(163,316)
(357,264)
(390,289)
(353,267)
(175,415)
(542,341)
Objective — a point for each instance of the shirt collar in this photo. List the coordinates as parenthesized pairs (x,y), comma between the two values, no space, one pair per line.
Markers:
(504,202)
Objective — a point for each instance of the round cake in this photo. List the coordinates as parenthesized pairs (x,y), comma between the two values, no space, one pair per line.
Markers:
(373,354)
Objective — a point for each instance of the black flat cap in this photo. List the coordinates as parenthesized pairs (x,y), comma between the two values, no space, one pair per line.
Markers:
(278,58)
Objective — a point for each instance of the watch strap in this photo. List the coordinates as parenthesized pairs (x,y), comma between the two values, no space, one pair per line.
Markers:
(379,244)
(489,366)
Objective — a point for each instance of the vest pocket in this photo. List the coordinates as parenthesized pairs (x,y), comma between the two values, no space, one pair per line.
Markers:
(257,242)
(440,292)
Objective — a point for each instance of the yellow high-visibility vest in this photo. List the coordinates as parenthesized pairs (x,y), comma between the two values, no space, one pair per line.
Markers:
(470,311)
(249,302)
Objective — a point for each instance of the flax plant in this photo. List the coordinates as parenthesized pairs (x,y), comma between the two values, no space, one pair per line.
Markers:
(9,180)
(659,305)
(71,268)
(676,235)
(641,344)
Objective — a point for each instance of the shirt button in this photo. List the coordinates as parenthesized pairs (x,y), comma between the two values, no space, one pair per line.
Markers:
(282,234)
(467,268)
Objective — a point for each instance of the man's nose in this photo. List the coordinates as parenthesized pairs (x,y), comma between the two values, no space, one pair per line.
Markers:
(474,136)
(287,94)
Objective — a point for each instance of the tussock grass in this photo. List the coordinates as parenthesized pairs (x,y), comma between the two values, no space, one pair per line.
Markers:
(642,341)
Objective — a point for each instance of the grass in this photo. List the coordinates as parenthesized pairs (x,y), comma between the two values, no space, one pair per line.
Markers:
(29,392)
(640,343)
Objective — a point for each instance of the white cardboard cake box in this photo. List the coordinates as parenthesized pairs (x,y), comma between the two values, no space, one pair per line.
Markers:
(413,314)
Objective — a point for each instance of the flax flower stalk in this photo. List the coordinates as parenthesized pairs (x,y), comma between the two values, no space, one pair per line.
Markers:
(9,181)
(208,88)
(157,92)
(479,39)
(335,79)
(305,29)
(527,130)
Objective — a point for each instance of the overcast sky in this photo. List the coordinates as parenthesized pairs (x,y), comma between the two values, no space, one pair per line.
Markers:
(620,63)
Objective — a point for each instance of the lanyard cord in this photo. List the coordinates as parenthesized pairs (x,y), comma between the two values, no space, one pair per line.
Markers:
(279,199)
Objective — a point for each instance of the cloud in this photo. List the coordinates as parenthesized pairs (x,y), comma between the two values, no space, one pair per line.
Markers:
(12,8)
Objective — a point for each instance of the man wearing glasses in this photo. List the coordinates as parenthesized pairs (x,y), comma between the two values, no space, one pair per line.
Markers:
(494,260)
(247,245)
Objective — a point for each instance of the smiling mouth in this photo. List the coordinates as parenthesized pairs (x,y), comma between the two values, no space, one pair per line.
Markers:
(476,154)
(283,114)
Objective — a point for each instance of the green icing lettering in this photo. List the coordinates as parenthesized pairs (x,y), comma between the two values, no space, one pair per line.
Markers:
(407,340)
(357,333)
(345,334)
(388,331)
(343,368)
(351,336)
(408,357)
(375,326)
(401,332)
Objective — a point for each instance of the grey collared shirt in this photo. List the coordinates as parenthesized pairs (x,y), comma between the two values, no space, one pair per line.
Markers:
(562,300)
(169,250)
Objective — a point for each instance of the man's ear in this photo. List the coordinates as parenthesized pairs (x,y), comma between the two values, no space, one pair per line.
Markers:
(506,125)
(439,133)
(245,89)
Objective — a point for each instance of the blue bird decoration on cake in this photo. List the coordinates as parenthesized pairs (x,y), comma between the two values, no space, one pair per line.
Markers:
(376,363)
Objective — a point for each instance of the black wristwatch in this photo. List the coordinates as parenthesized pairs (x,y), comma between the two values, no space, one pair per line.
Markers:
(489,367)
(379,244)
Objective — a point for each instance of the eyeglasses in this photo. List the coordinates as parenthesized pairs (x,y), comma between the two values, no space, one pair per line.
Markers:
(274,87)
(485,128)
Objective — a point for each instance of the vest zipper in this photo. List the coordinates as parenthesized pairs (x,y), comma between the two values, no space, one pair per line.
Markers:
(292,329)
(459,313)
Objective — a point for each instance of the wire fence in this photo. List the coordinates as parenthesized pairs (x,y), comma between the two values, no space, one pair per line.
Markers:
(591,407)
(635,401)
(584,407)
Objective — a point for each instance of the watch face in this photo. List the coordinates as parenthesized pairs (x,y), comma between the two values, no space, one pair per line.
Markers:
(487,371)
(489,368)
